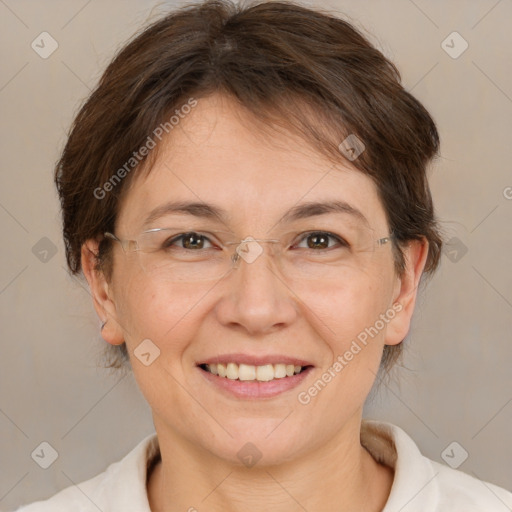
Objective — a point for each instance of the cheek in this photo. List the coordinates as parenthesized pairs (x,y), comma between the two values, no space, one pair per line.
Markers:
(355,336)
(166,316)
(163,313)
(350,309)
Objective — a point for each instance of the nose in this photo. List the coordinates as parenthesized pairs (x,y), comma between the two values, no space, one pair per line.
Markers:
(256,298)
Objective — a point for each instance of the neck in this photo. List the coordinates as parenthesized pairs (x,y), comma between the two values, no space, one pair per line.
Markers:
(341,476)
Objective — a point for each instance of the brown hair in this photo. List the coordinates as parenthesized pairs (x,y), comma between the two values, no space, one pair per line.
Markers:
(289,66)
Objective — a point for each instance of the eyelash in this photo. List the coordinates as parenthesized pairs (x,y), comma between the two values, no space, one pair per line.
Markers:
(170,242)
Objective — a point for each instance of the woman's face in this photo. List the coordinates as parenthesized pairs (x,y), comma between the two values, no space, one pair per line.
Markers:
(255,314)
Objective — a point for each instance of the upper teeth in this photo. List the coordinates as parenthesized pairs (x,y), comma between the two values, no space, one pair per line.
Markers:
(263,373)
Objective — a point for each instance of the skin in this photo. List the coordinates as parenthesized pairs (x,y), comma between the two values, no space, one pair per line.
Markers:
(311,454)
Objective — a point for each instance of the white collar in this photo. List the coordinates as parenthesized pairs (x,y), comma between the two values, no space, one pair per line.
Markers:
(414,477)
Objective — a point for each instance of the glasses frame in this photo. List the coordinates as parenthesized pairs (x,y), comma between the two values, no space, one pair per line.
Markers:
(125,243)
(131,245)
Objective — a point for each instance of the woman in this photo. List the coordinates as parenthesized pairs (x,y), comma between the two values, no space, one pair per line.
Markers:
(246,194)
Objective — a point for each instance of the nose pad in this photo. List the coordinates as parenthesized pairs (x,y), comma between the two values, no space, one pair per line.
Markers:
(249,249)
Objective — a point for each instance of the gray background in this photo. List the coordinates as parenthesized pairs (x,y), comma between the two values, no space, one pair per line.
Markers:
(456,385)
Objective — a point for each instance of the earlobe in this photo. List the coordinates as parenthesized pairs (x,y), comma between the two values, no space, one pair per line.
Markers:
(415,256)
(101,294)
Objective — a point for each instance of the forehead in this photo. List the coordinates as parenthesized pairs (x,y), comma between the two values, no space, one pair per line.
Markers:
(219,154)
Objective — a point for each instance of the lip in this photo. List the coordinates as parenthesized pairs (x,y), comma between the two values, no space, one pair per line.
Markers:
(255,360)
(255,389)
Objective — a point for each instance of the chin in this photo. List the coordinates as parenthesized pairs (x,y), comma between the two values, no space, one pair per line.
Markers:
(265,442)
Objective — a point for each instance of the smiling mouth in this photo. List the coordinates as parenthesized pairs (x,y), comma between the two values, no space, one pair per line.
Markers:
(248,373)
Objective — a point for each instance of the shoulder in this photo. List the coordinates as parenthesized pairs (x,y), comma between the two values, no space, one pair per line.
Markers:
(460,489)
(421,484)
(121,487)
(79,498)
(67,499)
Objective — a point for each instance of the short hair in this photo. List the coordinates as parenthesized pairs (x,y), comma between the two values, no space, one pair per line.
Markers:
(304,70)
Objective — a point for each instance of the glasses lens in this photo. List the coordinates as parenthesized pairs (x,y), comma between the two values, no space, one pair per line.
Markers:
(330,257)
(177,254)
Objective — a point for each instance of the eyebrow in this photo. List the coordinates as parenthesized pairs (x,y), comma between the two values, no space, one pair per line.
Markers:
(211,212)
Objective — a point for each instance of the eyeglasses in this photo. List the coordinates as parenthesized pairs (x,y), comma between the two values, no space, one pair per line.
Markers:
(178,255)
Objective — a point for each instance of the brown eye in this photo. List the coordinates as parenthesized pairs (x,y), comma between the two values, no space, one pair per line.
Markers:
(322,240)
(191,240)
(318,241)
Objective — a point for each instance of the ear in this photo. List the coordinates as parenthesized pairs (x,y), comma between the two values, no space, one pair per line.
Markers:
(406,289)
(101,294)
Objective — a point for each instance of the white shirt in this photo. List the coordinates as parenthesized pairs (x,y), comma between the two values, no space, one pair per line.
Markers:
(419,485)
